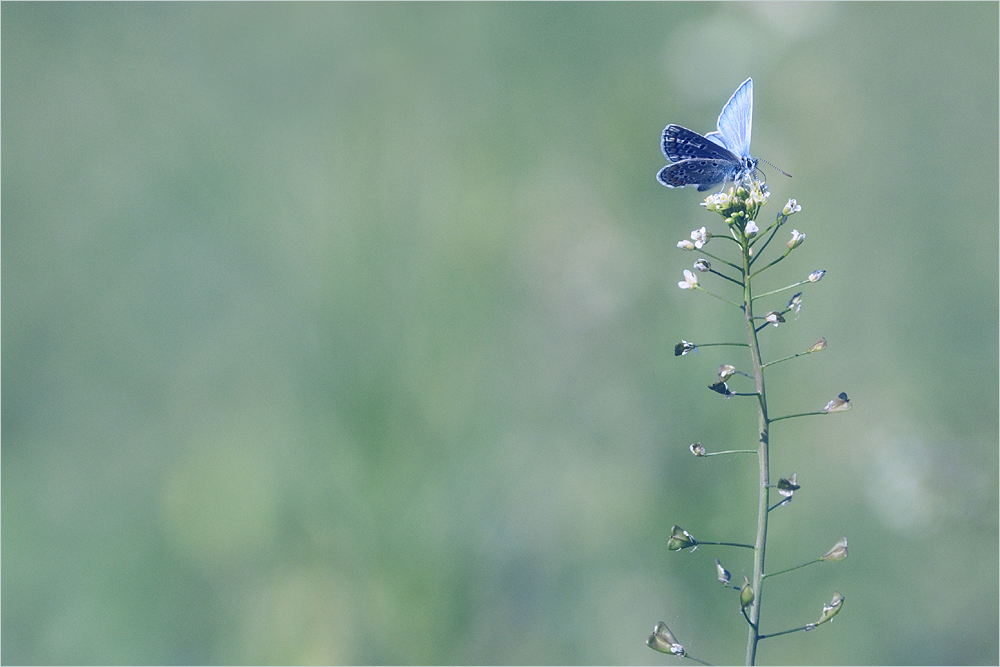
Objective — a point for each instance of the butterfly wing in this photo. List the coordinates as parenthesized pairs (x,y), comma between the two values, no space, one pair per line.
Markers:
(735,120)
(717,138)
(680,143)
(697,160)
(703,172)
(722,155)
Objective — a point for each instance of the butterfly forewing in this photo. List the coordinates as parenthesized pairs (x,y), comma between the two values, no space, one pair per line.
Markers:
(680,143)
(736,118)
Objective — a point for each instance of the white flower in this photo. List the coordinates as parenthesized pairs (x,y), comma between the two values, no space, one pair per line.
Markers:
(751,229)
(690,280)
(797,239)
(700,237)
(791,207)
(759,196)
(716,201)
(816,276)
(685,245)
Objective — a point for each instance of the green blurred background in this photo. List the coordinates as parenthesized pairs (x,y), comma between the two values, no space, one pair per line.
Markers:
(343,333)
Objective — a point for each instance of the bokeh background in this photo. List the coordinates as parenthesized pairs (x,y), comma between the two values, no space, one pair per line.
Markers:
(343,333)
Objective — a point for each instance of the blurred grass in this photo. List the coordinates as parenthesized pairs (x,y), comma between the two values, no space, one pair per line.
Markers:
(341,333)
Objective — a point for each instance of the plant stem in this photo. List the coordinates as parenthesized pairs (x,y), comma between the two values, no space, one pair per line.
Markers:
(801,414)
(762,457)
(783,632)
(727,544)
(729,344)
(699,287)
(778,361)
(774,574)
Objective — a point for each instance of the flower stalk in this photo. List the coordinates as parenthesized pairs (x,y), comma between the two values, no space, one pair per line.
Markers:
(739,207)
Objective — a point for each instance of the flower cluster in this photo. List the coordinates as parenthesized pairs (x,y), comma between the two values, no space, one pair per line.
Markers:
(739,206)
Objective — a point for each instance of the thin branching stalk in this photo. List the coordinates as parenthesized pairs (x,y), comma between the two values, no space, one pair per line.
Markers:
(739,208)
(764,481)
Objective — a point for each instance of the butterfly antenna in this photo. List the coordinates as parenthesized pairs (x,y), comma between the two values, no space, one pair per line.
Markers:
(773,167)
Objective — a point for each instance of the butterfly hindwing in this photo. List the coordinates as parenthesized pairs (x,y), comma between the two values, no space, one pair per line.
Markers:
(703,172)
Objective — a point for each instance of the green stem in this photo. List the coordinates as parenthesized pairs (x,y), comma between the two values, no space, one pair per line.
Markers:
(774,574)
(772,230)
(783,632)
(762,458)
(774,507)
(770,264)
(719,259)
(732,451)
(725,544)
(729,344)
(725,277)
(783,289)
(778,361)
(717,296)
(801,414)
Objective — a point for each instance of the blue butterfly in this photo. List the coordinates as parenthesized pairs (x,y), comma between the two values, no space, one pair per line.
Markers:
(717,157)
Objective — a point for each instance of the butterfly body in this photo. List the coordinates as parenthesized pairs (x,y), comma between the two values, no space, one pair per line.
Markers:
(717,157)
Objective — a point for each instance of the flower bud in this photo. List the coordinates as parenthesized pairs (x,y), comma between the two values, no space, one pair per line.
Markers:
(746,593)
(816,276)
(751,230)
(703,265)
(698,449)
(818,346)
(663,640)
(839,404)
(838,552)
(774,317)
(680,539)
(797,239)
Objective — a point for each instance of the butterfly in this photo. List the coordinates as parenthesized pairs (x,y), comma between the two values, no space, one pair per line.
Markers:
(717,157)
